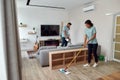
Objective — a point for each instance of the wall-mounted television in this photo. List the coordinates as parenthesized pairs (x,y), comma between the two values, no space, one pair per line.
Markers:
(50,30)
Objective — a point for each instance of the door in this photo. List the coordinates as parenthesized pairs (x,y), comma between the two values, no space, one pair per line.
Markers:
(117,39)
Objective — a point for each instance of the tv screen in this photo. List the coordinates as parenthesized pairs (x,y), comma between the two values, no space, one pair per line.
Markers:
(50,30)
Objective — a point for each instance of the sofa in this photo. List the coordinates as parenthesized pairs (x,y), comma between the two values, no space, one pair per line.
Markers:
(43,53)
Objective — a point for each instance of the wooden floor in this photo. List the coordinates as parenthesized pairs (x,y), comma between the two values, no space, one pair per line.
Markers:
(31,70)
(113,76)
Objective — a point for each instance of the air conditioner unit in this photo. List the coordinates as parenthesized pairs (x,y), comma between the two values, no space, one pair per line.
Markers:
(89,8)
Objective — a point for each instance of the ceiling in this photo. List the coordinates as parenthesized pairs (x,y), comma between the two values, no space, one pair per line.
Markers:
(67,4)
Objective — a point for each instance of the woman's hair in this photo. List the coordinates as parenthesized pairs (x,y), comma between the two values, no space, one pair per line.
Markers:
(89,22)
(70,23)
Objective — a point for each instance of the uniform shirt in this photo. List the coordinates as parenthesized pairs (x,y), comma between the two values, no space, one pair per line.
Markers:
(65,28)
(90,32)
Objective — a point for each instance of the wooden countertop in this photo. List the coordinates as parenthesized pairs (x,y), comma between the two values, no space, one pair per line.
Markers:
(65,51)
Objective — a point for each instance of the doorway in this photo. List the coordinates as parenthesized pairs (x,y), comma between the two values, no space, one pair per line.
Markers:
(116,41)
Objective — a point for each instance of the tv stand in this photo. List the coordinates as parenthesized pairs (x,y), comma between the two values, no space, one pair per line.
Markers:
(49,42)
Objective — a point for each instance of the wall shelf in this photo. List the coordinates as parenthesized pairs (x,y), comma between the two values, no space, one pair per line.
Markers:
(31,33)
(23,25)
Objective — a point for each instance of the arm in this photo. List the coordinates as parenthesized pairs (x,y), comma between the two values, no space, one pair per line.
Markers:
(66,35)
(85,40)
(93,37)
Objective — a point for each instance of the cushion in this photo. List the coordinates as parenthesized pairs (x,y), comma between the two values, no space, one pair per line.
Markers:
(75,45)
(47,47)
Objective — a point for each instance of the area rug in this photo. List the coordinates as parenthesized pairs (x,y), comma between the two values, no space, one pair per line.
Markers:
(31,54)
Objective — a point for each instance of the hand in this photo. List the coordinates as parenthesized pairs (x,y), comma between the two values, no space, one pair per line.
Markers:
(68,39)
(87,41)
(84,46)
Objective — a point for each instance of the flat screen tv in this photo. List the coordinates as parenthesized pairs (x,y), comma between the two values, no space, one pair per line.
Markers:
(50,30)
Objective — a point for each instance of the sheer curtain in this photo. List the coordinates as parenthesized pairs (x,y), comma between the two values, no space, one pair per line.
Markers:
(11,39)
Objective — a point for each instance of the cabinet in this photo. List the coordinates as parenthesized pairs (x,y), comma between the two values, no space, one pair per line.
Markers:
(60,59)
(51,42)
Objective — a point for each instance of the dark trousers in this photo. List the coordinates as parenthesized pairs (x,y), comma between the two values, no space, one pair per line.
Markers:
(92,48)
(64,42)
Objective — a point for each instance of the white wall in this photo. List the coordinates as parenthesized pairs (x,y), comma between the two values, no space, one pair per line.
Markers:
(3,75)
(34,17)
(103,23)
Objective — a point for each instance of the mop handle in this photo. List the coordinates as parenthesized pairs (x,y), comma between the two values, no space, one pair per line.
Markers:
(72,60)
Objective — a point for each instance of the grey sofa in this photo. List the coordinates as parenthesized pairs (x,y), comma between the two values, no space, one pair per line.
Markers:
(43,53)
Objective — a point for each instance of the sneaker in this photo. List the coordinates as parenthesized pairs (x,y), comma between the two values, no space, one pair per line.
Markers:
(95,65)
(86,65)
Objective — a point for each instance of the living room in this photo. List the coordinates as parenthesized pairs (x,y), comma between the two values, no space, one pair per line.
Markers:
(39,39)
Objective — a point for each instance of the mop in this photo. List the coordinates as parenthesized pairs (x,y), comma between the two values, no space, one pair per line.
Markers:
(65,70)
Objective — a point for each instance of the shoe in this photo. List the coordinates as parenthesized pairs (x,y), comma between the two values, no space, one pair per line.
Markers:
(86,65)
(95,65)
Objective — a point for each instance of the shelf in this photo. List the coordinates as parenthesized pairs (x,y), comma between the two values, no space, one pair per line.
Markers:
(82,56)
(57,59)
(57,56)
(69,58)
(80,59)
(23,25)
(67,61)
(31,32)
(57,63)
(73,57)
(70,54)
